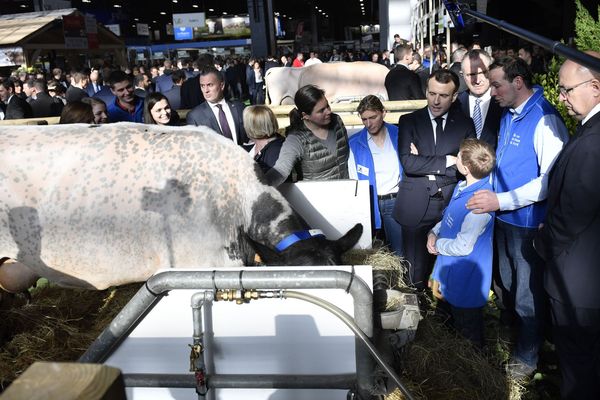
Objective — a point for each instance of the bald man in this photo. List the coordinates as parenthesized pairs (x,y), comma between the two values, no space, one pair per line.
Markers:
(569,240)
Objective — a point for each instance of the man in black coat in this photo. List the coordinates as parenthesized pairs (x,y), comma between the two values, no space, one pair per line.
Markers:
(569,240)
(402,83)
(428,143)
(224,117)
(42,104)
(14,107)
(474,68)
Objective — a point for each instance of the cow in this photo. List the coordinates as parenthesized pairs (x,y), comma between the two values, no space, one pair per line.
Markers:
(97,206)
(341,81)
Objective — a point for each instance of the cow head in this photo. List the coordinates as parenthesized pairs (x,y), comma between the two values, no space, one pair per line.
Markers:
(314,250)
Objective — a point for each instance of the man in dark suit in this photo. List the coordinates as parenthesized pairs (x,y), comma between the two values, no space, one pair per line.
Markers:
(428,142)
(94,86)
(77,90)
(14,107)
(164,81)
(174,94)
(401,83)
(568,240)
(477,101)
(225,117)
(191,94)
(42,104)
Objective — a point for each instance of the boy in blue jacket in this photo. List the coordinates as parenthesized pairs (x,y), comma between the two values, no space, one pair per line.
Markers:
(462,241)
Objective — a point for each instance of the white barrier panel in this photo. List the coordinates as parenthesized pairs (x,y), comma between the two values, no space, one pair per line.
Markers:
(269,336)
(333,206)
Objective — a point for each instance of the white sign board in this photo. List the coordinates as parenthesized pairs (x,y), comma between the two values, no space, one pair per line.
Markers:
(114,28)
(270,336)
(333,206)
(143,29)
(195,20)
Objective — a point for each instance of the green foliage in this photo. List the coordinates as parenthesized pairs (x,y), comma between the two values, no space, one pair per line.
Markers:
(549,81)
(587,30)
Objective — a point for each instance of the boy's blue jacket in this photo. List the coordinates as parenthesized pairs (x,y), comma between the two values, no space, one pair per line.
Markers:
(465,281)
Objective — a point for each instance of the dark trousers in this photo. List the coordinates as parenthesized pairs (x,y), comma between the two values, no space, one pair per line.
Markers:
(414,240)
(466,321)
(577,338)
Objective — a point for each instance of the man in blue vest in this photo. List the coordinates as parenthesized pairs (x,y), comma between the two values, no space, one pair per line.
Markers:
(532,135)
(126,106)
(374,157)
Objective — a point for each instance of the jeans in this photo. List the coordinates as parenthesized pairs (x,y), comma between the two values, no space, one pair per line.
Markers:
(521,271)
(393,230)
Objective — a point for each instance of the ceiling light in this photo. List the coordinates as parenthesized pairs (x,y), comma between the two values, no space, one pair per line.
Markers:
(163,13)
(174,1)
(117,6)
(195,5)
(211,9)
(224,12)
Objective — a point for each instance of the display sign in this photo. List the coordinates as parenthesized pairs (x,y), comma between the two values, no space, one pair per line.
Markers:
(10,56)
(183,33)
(193,20)
(114,28)
(143,29)
(74,32)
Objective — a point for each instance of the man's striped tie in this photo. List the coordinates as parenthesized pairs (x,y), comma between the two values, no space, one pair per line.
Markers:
(477,120)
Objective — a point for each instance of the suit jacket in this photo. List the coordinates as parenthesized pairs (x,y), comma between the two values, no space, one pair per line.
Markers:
(17,108)
(569,238)
(203,115)
(46,106)
(191,95)
(403,84)
(455,67)
(174,96)
(164,82)
(491,125)
(415,187)
(90,89)
(75,94)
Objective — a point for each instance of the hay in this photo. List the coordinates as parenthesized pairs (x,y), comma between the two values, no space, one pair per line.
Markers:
(57,325)
(60,324)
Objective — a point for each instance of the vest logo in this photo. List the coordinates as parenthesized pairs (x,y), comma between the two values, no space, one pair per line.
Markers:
(449,221)
(361,169)
(515,140)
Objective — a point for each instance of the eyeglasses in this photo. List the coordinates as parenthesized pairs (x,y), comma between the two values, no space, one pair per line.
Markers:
(471,74)
(567,91)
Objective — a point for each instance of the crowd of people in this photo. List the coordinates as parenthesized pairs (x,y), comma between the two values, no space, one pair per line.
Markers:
(481,188)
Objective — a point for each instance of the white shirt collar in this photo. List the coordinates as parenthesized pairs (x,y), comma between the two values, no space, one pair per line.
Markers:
(484,97)
(593,112)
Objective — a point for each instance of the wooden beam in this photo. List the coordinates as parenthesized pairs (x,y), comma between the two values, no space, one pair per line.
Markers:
(67,381)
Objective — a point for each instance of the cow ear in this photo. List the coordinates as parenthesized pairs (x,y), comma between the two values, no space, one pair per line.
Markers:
(348,241)
(267,255)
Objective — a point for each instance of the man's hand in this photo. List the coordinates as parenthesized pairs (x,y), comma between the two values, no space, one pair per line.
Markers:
(483,201)
(413,149)
(431,238)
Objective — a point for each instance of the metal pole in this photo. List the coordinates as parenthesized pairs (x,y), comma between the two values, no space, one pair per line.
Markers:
(158,285)
(548,44)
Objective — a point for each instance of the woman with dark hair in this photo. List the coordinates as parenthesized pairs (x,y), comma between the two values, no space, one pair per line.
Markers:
(98,108)
(77,113)
(157,110)
(316,141)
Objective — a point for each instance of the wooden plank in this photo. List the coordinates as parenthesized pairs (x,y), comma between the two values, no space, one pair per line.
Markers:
(67,381)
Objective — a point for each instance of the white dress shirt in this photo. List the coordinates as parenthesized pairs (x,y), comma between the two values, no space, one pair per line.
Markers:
(484,105)
(228,115)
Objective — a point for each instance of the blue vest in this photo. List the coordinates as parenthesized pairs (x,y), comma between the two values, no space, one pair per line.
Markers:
(465,281)
(362,156)
(516,159)
(117,114)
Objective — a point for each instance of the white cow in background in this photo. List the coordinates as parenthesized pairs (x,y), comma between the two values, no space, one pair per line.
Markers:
(341,81)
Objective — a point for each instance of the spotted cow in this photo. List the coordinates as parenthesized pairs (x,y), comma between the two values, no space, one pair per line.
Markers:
(97,206)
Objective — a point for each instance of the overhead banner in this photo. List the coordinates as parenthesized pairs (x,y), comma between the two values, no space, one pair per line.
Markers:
(114,28)
(193,20)
(11,56)
(183,33)
(143,29)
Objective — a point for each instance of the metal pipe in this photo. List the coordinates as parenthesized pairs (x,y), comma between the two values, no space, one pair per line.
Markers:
(158,285)
(347,319)
(234,381)
(197,363)
(454,8)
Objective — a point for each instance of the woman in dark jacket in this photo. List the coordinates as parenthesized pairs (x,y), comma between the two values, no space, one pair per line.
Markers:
(261,126)
(316,142)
